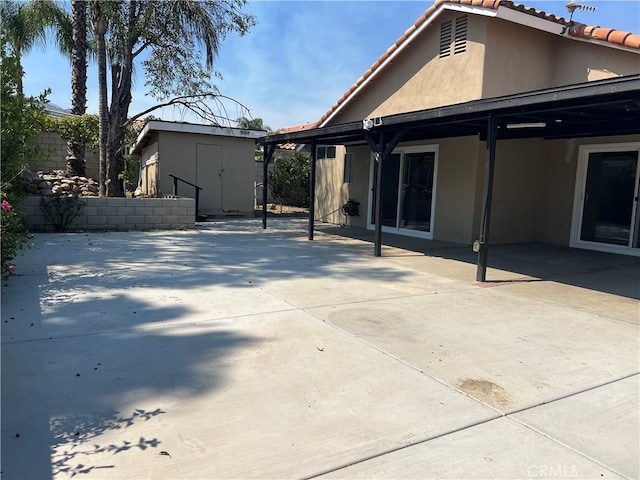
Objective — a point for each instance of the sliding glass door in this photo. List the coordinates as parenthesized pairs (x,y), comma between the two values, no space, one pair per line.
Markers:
(407,198)
(606,215)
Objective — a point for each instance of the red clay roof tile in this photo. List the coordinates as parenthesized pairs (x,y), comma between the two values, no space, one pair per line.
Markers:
(618,37)
(588,31)
(632,41)
(601,33)
(299,128)
(577,30)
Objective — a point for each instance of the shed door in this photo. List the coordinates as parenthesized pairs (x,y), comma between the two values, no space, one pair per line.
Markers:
(210,175)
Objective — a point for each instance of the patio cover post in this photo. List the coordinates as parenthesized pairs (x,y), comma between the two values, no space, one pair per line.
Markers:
(312,189)
(269,148)
(485,222)
(377,149)
(382,152)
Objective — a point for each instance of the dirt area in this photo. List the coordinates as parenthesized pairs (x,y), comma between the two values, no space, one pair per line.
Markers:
(282,210)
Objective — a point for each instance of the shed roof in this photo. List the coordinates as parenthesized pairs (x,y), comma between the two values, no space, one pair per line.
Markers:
(144,136)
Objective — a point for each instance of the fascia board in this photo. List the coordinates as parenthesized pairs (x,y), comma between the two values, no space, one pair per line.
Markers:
(529,20)
(163,126)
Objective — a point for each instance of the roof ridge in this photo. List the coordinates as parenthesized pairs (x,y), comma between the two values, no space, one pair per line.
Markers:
(574,29)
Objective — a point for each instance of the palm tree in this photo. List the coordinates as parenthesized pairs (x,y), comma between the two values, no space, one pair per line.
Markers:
(99,24)
(75,151)
(252,124)
(27,23)
(255,124)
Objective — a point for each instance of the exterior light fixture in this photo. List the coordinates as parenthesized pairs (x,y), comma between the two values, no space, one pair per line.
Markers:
(526,125)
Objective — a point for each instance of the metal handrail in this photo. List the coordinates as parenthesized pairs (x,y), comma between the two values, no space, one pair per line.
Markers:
(198,189)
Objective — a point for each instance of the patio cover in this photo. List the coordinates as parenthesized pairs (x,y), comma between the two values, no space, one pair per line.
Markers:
(597,108)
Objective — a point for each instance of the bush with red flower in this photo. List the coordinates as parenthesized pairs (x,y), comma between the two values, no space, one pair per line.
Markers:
(21,120)
(13,235)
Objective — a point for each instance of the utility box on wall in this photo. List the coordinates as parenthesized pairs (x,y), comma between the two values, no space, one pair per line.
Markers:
(219,160)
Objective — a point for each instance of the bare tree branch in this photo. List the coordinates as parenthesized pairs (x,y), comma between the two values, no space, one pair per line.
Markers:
(197,104)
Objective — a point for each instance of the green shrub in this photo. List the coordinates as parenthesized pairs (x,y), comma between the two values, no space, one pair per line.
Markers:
(289,179)
(21,120)
(60,210)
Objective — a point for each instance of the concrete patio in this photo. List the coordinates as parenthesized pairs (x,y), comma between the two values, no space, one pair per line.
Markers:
(235,352)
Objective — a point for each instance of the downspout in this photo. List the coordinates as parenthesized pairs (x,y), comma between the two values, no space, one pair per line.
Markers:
(482,245)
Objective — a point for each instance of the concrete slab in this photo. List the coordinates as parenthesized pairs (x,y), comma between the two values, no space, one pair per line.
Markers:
(602,423)
(263,396)
(591,300)
(234,352)
(501,449)
(506,351)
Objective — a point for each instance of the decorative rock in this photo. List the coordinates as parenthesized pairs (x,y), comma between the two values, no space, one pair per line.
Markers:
(47,184)
(31,188)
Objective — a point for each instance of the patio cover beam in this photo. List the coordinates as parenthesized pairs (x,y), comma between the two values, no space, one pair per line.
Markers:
(582,98)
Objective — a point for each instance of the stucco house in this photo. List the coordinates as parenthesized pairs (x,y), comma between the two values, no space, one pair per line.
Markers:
(486,115)
(219,161)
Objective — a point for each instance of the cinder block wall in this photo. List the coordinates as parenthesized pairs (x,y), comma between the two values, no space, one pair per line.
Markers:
(54,157)
(120,214)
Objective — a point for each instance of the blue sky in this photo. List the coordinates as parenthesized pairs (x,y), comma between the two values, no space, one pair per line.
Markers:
(301,56)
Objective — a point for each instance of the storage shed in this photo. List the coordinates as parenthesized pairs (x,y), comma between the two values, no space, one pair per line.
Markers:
(219,161)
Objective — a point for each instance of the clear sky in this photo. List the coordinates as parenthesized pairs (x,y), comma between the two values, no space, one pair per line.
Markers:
(301,56)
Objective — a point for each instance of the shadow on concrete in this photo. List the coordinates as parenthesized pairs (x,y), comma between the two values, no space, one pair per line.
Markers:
(123,294)
(604,272)
(65,399)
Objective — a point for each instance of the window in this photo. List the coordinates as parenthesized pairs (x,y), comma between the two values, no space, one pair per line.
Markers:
(348,168)
(453,37)
(326,152)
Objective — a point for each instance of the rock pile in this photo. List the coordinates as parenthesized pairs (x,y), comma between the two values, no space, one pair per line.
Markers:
(57,182)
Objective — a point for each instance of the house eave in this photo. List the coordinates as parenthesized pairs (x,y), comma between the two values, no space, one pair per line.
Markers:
(579,108)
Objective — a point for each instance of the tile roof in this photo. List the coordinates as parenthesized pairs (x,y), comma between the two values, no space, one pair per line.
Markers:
(287,146)
(577,30)
(299,128)
(292,129)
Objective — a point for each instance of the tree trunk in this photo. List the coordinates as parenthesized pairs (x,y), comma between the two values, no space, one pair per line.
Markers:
(121,74)
(100,28)
(75,152)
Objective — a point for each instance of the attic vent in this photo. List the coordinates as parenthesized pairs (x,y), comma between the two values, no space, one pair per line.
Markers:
(460,42)
(446,29)
(453,37)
